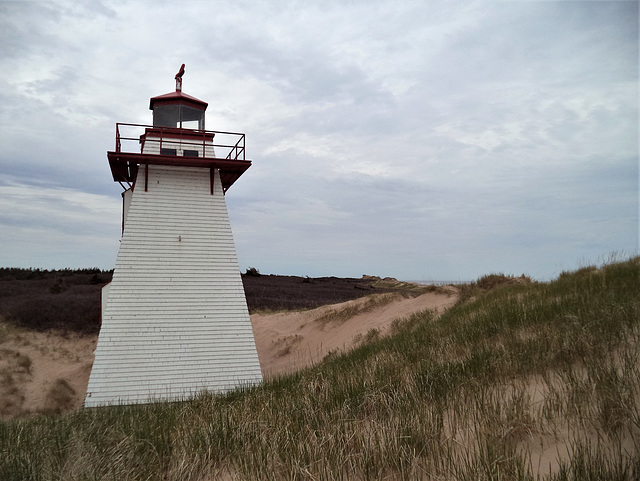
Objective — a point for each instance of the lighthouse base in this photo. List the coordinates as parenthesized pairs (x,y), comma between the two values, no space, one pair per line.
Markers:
(175,318)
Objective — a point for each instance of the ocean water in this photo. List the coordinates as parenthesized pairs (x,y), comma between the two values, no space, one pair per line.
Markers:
(438,283)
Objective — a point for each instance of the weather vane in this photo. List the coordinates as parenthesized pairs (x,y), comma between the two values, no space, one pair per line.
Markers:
(179,79)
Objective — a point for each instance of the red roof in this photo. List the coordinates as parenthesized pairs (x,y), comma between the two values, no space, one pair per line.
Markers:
(178,97)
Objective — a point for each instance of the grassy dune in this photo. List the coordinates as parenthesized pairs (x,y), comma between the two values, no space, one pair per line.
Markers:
(526,381)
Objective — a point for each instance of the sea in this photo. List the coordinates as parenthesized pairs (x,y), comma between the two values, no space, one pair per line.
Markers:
(439,283)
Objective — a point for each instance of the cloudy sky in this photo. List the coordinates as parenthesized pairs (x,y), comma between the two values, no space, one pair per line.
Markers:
(424,140)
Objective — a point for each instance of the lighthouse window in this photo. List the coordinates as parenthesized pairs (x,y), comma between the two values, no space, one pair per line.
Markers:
(192,118)
(166,116)
(178,116)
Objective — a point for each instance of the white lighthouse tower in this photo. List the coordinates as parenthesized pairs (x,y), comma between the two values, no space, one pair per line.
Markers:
(174,318)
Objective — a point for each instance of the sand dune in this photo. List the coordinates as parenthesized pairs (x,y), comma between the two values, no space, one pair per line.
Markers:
(288,341)
(49,372)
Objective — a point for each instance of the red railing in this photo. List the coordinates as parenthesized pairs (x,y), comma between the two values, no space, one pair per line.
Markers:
(227,145)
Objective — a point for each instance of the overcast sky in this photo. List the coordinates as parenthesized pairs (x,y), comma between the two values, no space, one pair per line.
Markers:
(426,140)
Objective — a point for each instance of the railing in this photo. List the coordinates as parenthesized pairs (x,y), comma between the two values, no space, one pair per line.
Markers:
(139,138)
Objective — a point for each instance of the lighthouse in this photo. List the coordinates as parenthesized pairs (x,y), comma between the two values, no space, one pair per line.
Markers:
(174,317)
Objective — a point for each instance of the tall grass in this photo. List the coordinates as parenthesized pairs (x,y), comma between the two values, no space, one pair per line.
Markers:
(344,313)
(537,381)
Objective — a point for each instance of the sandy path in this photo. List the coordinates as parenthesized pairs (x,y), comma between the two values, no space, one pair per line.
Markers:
(46,372)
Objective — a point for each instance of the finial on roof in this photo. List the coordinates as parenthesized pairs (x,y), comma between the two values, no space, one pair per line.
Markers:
(179,79)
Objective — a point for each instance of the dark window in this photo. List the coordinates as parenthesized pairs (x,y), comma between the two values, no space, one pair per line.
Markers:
(178,116)
(191,118)
(190,153)
(166,116)
(164,151)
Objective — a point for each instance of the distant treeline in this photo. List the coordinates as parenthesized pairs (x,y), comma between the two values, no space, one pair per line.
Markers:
(63,299)
(20,273)
(69,299)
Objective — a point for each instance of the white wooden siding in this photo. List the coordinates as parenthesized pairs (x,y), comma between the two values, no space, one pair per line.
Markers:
(175,321)
(152,146)
(126,202)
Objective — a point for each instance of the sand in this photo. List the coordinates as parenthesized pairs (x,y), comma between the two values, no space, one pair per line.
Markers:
(49,372)
(43,372)
(288,341)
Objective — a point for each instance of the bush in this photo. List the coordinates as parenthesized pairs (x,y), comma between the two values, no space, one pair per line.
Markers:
(252,272)
(492,281)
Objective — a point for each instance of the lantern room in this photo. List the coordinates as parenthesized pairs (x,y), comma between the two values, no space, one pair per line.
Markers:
(177,137)
(178,127)
(177,110)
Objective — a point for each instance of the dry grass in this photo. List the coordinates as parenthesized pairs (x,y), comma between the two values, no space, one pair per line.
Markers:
(11,395)
(60,398)
(344,313)
(538,381)
(286,343)
(15,368)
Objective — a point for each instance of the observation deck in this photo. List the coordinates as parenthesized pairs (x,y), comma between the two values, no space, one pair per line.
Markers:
(138,146)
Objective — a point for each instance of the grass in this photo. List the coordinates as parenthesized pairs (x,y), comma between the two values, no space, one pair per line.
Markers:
(528,381)
(59,398)
(401,290)
(15,367)
(342,314)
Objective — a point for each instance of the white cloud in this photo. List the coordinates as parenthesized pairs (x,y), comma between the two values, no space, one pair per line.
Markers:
(57,207)
(409,139)
(57,227)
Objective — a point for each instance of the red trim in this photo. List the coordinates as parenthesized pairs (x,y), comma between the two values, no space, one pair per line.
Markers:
(231,144)
(178,97)
(173,134)
(179,133)
(124,165)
